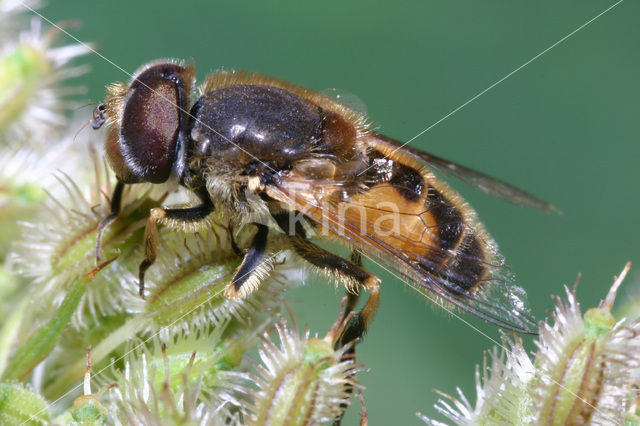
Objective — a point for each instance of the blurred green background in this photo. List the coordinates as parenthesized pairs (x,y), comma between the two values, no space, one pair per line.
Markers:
(566,127)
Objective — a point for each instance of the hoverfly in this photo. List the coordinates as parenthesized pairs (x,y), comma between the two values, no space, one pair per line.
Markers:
(262,151)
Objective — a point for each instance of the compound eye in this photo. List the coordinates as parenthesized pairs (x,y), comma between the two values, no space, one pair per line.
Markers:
(151,122)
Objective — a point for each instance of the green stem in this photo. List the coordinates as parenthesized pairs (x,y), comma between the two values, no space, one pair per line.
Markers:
(38,346)
(9,333)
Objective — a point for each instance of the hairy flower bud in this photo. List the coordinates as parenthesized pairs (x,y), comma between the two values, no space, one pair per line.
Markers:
(584,372)
(31,94)
(19,405)
(302,381)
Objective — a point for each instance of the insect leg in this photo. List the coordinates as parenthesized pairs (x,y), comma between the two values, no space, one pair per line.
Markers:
(350,353)
(234,245)
(352,275)
(245,279)
(353,296)
(116,201)
(151,237)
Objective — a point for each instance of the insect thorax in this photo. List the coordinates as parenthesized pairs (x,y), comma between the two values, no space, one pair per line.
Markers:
(243,124)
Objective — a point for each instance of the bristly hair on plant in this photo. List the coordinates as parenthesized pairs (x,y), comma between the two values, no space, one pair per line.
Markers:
(33,100)
(302,380)
(583,372)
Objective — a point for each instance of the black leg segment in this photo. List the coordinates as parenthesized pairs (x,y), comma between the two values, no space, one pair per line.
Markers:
(353,296)
(252,259)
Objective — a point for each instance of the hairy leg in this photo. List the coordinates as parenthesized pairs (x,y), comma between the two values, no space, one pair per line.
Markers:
(250,271)
(151,237)
(353,276)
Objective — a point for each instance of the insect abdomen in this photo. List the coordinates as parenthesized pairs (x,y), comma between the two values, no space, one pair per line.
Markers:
(464,266)
(436,230)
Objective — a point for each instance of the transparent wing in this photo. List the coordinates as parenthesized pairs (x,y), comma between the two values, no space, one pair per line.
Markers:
(471,276)
(484,183)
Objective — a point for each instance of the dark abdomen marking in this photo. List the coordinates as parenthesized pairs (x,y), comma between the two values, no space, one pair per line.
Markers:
(407,181)
(449,220)
(467,268)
